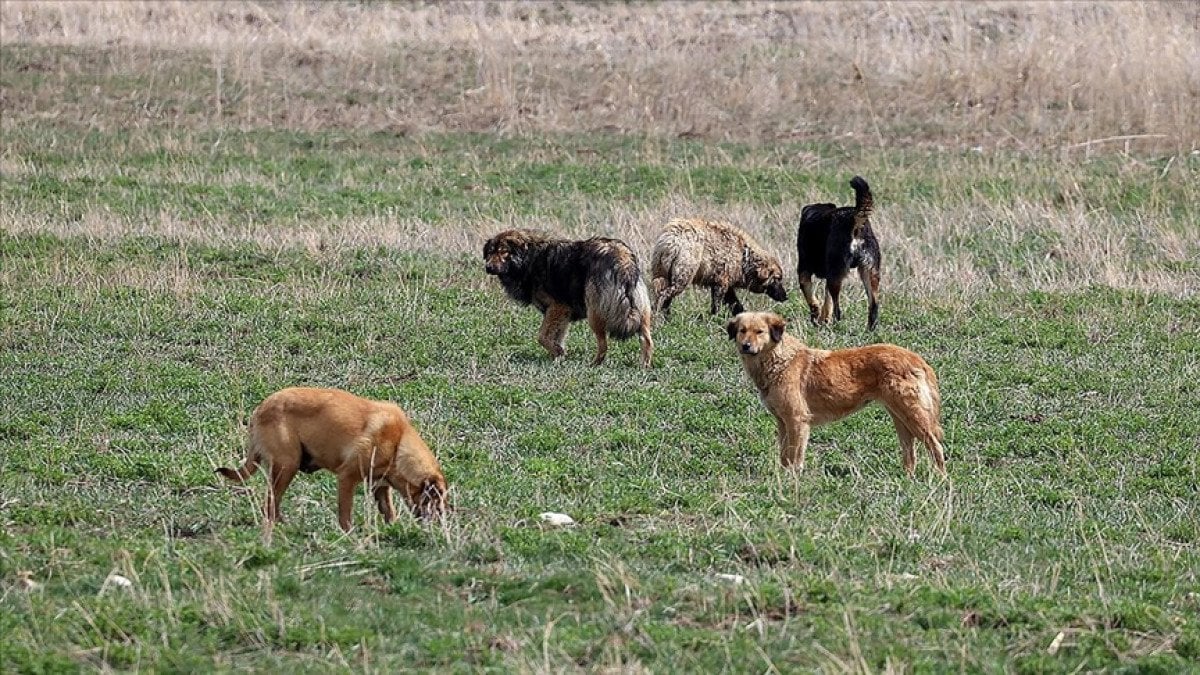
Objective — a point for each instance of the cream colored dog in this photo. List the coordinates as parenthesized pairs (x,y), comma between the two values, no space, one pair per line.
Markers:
(805,387)
(718,255)
(306,429)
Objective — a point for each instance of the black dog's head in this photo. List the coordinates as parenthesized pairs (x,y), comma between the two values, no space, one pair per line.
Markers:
(503,254)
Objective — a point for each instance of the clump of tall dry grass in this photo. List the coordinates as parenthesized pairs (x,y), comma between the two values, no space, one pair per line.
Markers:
(1023,75)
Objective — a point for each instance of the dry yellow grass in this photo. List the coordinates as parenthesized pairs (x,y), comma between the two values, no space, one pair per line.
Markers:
(1060,80)
(1080,76)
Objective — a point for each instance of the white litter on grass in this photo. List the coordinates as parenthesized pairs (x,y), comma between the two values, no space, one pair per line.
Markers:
(116,580)
(734,579)
(903,576)
(557,518)
(1056,643)
(26,583)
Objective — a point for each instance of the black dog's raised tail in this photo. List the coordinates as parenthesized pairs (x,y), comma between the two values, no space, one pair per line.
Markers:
(864,204)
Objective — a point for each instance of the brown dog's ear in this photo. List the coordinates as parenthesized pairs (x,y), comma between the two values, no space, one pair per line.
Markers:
(731,328)
(776,324)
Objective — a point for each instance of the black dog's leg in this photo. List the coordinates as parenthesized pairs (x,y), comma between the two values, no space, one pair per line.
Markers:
(831,309)
(806,285)
(870,279)
(835,292)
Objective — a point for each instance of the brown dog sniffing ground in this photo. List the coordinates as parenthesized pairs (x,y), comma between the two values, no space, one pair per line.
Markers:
(307,429)
(804,387)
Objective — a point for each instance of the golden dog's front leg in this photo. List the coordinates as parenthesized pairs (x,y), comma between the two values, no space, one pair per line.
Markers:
(794,442)
(383,499)
(347,481)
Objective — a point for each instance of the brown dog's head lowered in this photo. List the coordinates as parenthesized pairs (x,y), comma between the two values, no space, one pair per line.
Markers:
(768,278)
(755,332)
(430,502)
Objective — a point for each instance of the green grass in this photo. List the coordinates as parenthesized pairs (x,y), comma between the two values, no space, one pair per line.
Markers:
(160,280)
(129,365)
(277,177)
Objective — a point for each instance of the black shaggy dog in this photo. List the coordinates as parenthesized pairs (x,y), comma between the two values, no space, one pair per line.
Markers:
(830,242)
(597,279)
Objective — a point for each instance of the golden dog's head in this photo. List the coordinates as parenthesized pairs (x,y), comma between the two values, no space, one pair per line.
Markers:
(755,332)
(431,500)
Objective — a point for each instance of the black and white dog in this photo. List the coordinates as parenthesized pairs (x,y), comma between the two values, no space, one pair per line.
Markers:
(830,242)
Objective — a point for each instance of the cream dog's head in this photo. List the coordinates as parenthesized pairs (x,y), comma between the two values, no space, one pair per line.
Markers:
(755,332)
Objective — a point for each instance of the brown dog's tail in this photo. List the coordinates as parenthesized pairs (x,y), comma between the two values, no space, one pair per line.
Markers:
(864,204)
(240,474)
(618,293)
(248,469)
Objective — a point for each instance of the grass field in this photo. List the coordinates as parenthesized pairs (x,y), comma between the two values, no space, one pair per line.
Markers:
(165,265)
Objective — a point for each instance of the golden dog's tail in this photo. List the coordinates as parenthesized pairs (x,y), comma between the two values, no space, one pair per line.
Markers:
(864,204)
(930,397)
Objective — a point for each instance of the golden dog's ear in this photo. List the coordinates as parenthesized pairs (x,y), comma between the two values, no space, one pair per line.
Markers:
(776,324)
(731,328)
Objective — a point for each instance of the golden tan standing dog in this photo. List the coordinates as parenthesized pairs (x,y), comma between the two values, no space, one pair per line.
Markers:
(805,387)
(306,429)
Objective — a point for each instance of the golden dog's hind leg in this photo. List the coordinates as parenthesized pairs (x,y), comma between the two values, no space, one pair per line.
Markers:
(281,477)
(907,453)
(933,442)
(922,424)
(284,452)
(553,333)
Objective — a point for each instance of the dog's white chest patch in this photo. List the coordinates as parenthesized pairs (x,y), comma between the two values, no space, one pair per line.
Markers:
(855,244)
